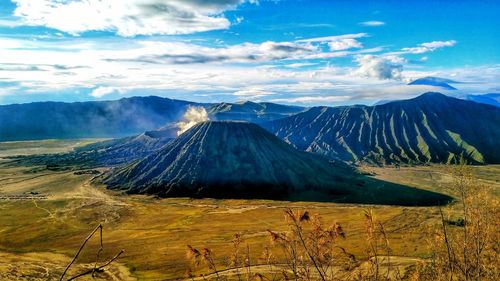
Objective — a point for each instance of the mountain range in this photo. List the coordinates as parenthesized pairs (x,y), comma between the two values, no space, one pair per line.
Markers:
(491,99)
(227,159)
(432,128)
(434,81)
(120,118)
(429,128)
(251,111)
(107,119)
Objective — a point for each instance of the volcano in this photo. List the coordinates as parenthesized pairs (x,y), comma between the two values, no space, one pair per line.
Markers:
(431,128)
(434,81)
(221,159)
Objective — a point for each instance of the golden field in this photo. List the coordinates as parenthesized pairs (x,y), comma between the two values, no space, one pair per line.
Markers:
(39,236)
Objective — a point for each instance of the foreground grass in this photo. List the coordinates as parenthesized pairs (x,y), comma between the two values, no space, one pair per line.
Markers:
(154,232)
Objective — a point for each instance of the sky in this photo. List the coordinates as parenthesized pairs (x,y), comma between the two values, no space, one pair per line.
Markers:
(304,52)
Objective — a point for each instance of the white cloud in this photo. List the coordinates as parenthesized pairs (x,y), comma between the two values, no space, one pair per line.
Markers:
(154,52)
(344,44)
(314,99)
(327,39)
(381,67)
(372,23)
(10,23)
(252,93)
(5,91)
(182,70)
(100,92)
(13,44)
(438,44)
(427,47)
(238,20)
(336,43)
(127,17)
(300,64)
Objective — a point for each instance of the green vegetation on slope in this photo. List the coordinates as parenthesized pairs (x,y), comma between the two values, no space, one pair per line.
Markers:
(430,128)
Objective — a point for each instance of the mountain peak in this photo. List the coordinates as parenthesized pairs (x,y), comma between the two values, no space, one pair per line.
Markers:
(243,102)
(227,159)
(434,81)
(427,96)
(432,95)
(429,128)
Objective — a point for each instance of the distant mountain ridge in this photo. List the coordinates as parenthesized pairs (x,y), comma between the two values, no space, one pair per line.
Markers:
(251,111)
(429,128)
(124,117)
(491,99)
(432,128)
(222,159)
(120,118)
(434,81)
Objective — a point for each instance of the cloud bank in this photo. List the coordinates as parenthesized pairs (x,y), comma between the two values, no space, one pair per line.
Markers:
(127,17)
(344,44)
(427,47)
(335,69)
(381,67)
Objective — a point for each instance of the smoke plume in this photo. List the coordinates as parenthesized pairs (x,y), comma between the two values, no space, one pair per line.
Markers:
(193,115)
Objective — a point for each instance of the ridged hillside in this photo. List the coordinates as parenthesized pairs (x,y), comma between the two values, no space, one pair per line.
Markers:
(242,160)
(105,153)
(429,128)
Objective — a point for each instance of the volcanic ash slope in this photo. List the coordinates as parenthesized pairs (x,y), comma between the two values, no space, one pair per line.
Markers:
(242,160)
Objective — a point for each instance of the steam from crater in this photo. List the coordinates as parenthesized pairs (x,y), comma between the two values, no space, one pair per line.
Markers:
(193,116)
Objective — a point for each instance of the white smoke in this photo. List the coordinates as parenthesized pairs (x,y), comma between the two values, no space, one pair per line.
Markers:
(193,116)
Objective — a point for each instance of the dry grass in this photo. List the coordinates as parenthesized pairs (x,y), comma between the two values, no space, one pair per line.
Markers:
(154,232)
(43,266)
(466,248)
(308,249)
(13,148)
(466,245)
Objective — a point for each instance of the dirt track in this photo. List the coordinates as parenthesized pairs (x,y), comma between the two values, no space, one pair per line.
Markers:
(49,266)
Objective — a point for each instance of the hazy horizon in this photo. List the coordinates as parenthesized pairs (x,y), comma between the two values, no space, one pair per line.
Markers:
(305,105)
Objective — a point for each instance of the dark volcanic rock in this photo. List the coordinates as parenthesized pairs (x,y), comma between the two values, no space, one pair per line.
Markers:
(242,160)
(105,153)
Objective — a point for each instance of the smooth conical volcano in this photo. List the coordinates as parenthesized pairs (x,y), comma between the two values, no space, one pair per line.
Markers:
(242,160)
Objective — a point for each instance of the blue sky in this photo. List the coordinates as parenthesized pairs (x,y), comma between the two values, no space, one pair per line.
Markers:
(287,51)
